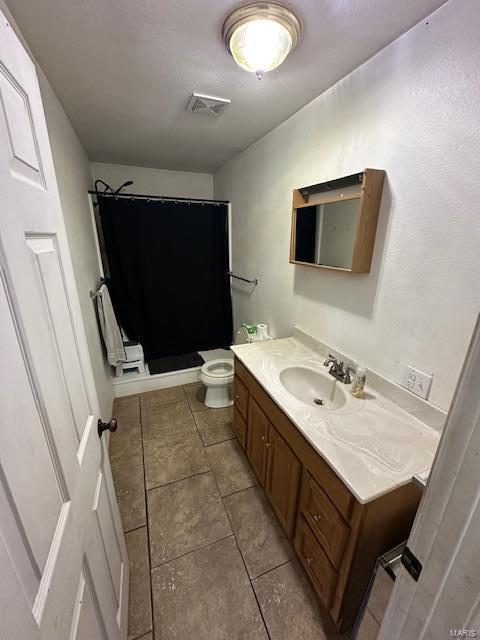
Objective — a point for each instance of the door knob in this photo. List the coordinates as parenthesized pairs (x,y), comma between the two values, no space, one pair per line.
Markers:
(111,425)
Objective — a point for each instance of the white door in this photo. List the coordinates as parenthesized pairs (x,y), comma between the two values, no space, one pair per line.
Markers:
(445,602)
(63,563)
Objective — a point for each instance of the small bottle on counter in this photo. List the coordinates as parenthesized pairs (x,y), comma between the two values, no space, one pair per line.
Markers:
(358,383)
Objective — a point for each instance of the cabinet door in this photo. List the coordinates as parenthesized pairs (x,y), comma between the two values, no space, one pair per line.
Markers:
(240,428)
(241,396)
(282,479)
(257,435)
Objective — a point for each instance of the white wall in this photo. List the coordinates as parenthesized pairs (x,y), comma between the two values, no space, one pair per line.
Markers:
(158,182)
(74,177)
(413,111)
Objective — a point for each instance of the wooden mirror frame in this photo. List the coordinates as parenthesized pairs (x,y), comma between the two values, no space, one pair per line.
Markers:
(369,195)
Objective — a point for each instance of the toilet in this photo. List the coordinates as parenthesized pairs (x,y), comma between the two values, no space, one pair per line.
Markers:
(217,375)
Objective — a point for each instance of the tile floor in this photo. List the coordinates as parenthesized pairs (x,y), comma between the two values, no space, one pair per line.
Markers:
(208,560)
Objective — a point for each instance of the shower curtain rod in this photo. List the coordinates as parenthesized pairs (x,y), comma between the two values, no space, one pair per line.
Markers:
(145,196)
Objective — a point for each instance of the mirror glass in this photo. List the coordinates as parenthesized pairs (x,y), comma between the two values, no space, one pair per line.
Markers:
(325,233)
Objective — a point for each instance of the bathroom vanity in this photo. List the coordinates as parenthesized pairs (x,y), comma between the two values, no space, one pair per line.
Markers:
(342,501)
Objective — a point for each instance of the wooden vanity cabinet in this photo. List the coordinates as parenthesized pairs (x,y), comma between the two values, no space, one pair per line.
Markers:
(337,539)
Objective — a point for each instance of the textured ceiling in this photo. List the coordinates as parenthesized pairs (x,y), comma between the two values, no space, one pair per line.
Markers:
(124,70)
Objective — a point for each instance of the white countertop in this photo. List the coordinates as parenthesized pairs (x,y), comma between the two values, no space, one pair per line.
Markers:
(373,445)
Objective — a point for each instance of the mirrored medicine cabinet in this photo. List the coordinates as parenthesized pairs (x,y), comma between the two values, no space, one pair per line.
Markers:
(334,223)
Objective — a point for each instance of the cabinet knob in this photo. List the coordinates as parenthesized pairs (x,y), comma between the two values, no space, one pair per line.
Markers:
(309,560)
(237,397)
(268,444)
(316,517)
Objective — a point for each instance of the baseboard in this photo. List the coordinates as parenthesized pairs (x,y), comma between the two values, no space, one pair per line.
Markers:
(131,384)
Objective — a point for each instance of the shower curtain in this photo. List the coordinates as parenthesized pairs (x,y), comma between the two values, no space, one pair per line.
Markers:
(168,263)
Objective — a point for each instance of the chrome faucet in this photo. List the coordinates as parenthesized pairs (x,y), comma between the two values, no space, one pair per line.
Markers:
(337,370)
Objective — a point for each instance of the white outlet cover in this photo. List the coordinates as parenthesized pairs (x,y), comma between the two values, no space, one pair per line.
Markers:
(417,382)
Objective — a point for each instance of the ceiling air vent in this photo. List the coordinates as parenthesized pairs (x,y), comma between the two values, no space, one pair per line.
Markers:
(207,104)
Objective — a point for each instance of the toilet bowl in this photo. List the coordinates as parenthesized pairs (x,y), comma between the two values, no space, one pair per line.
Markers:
(217,376)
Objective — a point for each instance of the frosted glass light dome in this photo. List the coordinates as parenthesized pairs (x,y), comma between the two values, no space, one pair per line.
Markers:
(261,35)
(260,45)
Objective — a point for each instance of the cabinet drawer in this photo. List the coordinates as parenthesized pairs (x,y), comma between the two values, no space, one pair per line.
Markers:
(240,393)
(321,572)
(240,428)
(325,521)
(333,487)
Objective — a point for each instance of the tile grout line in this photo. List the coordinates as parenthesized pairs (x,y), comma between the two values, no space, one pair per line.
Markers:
(212,444)
(243,559)
(141,526)
(239,491)
(187,553)
(147,518)
(167,484)
(260,575)
(222,498)
(249,579)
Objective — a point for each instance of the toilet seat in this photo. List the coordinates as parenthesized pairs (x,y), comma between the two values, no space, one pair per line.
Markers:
(220,368)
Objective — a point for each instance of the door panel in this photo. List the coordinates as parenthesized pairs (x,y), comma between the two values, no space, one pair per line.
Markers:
(257,434)
(109,535)
(63,563)
(51,281)
(38,519)
(86,621)
(24,157)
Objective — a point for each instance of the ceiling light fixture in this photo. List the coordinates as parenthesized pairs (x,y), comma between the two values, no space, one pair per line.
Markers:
(261,35)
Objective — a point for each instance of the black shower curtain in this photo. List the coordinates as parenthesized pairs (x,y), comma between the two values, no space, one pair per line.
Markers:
(168,265)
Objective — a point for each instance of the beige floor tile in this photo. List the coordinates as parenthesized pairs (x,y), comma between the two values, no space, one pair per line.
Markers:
(173,458)
(380,594)
(185,516)
(166,419)
(140,606)
(127,411)
(125,445)
(262,541)
(195,393)
(369,627)
(206,595)
(230,467)
(157,398)
(289,606)
(130,490)
(215,425)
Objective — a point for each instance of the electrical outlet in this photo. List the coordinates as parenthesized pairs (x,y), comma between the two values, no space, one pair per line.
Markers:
(417,382)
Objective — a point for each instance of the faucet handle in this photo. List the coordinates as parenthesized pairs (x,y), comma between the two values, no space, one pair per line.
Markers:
(347,377)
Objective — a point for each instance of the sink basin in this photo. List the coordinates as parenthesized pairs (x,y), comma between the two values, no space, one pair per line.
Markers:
(314,388)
